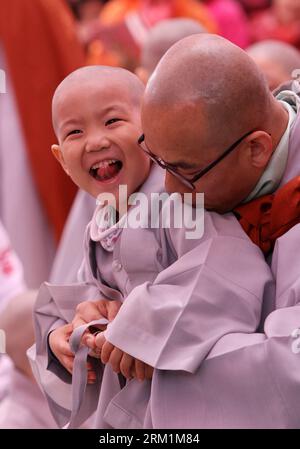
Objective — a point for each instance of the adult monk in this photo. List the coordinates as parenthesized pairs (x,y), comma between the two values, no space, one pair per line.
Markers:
(38,47)
(210,118)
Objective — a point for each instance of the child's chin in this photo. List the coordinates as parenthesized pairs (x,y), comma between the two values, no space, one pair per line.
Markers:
(107,188)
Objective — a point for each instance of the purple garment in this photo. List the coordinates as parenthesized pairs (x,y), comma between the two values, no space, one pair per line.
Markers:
(180,297)
(248,380)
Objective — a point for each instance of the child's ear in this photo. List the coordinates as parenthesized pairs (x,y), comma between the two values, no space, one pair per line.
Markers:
(57,153)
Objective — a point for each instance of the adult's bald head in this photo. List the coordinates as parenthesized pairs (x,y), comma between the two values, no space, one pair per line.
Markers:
(94,77)
(276,59)
(205,96)
(165,34)
(216,80)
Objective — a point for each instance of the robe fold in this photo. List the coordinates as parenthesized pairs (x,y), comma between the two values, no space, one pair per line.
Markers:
(180,297)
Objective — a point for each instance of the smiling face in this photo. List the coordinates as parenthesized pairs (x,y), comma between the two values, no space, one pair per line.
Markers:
(97,122)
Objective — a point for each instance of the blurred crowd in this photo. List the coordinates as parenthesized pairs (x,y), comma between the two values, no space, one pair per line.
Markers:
(241,21)
(41,41)
(115,32)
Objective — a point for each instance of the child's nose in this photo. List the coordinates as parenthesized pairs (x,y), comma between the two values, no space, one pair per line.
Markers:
(97,142)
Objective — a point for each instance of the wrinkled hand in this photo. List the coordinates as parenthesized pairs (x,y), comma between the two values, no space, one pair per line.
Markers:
(59,344)
(120,361)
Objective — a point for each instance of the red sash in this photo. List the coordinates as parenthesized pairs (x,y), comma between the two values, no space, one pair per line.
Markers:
(267,218)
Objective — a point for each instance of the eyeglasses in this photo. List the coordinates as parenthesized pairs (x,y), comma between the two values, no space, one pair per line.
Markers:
(173,170)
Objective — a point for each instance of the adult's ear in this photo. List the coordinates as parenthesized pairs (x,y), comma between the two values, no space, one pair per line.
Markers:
(261,148)
(57,153)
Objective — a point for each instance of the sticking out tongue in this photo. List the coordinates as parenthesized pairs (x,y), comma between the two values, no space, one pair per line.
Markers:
(108,171)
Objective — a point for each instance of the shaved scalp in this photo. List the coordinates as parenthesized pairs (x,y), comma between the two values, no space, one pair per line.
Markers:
(284,55)
(210,74)
(165,34)
(109,77)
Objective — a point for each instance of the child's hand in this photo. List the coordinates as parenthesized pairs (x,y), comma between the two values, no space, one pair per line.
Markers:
(94,310)
(88,311)
(59,345)
(122,362)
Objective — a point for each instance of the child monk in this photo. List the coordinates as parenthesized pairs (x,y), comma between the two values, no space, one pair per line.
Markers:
(178,294)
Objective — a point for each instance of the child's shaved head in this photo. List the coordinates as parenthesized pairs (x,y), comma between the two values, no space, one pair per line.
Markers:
(111,77)
(96,117)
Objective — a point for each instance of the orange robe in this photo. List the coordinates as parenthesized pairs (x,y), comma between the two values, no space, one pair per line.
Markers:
(115,11)
(41,48)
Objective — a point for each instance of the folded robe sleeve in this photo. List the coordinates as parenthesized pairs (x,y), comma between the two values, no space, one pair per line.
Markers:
(248,380)
(215,288)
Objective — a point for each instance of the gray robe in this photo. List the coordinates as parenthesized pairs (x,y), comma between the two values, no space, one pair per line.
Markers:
(180,298)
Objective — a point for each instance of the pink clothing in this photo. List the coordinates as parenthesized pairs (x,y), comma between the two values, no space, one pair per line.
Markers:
(231,20)
(253,5)
(265,25)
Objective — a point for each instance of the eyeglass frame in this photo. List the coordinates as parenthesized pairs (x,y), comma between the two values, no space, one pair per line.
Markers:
(189,182)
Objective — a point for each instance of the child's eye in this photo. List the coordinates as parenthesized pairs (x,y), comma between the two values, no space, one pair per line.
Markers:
(74,131)
(111,121)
